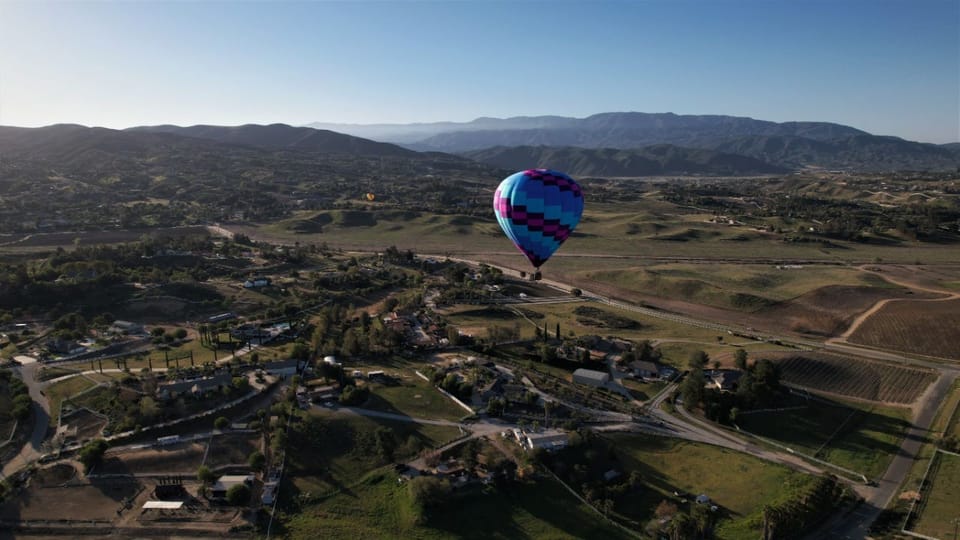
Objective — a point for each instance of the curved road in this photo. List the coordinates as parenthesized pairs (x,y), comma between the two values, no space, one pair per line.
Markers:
(855,525)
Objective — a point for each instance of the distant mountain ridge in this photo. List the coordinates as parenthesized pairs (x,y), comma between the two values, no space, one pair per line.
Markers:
(786,145)
(663,159)
(283,136)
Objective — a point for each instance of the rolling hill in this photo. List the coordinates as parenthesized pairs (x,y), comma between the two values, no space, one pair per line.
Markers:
(284,137)
(654,160)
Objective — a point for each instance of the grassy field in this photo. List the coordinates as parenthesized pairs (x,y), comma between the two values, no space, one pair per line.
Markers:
(649,228)
(856,436)
(939,507)
(379,507)
(742,486)
(59,391)
(741,287)
(415,397)
(329,452)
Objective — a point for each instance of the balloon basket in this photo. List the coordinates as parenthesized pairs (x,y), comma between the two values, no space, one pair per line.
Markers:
(535,276)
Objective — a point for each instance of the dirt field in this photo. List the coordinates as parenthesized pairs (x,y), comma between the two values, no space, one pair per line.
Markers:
(184,458)
(88,424)
(860,379)
(232,449)
(99,500)
(930,328)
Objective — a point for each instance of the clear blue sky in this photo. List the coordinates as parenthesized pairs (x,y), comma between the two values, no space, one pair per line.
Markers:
(887,66)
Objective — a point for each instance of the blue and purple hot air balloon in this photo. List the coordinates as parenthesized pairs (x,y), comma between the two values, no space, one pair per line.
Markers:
(538,209)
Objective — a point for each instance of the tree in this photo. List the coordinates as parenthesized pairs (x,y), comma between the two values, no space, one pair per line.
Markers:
(221,422)
(238,495)
(740,359)
(257,460)
(92,453)
(180,333)
(148,408)
(699,360)
(205,475)
(692,389)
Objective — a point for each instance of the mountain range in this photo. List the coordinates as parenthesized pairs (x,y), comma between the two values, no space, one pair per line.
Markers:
(790,145)
(610,144)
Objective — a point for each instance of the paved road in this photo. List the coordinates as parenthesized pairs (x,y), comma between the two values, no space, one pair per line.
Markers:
(31,450)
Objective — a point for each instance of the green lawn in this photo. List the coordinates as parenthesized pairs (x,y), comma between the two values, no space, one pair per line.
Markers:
(380,507)
(939,506)
(740,484)
(856,436)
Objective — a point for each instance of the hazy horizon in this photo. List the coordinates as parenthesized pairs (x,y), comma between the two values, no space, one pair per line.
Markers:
(888,68)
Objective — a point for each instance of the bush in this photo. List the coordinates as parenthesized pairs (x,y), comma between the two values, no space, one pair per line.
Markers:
(221,422)
(180,333)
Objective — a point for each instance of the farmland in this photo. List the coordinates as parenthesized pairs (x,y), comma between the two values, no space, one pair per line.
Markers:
(929,328)
(937,510)
(856,436)
(859,379)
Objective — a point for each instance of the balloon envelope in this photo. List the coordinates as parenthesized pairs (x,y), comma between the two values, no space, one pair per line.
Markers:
(371,196)
(538,209)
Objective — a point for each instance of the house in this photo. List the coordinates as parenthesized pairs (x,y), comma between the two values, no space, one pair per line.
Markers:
(549,440)
(590,377)
(725,380)
(282,367)
(644,369)
(194,387)
(256,283)
(63,346)
(324,393)
(126,328)
(224,483)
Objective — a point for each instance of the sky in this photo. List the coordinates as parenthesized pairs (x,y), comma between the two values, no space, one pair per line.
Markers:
(890,67)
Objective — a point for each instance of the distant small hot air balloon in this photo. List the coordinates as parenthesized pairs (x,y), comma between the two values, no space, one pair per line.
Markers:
(371,196)
(538,209)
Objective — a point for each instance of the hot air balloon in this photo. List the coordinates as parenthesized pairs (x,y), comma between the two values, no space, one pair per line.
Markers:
(371,196)
(538,209)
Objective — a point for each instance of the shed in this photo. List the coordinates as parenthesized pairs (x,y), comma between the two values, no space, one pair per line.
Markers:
(591,377)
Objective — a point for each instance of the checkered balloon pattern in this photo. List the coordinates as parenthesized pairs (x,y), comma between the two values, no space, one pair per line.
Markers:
(538,209)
